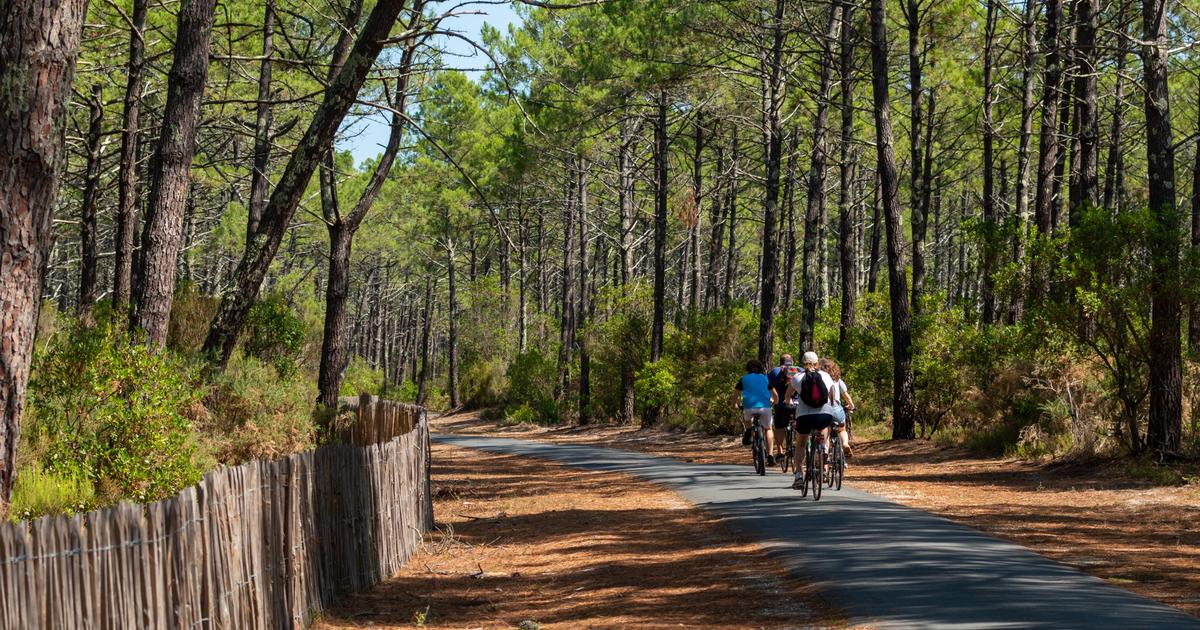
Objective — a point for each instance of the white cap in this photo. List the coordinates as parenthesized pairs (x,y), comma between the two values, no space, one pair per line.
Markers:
(809,357)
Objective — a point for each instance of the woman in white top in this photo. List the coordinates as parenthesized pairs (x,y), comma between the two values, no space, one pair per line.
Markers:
(839,397)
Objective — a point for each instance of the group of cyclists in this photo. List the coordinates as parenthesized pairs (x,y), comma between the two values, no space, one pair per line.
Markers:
(812,397)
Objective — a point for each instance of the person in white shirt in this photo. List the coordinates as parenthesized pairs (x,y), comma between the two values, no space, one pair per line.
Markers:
(839,395)
(814,411)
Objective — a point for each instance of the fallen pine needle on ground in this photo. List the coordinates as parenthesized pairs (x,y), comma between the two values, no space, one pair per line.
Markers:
(524,543)
(1134,533)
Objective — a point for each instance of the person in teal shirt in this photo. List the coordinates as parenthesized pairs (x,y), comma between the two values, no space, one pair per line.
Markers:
(757,399)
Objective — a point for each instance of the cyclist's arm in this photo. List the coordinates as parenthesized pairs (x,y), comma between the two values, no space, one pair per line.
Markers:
(790,393)
(849,401)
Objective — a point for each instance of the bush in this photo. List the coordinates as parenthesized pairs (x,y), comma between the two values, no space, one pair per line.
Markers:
(655,387)
(253,413)
(275,333)
(531,377)
(484,383)
(360,378)
(112,412)
(191,313)
(40,493)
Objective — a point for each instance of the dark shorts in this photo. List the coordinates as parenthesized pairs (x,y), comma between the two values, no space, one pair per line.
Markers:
(813,422)
(783,415)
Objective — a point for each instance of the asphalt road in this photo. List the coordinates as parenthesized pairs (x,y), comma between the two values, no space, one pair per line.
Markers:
(894,566)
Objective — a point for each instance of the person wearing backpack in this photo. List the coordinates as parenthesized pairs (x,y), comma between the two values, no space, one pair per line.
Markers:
(809,391)
(780,377)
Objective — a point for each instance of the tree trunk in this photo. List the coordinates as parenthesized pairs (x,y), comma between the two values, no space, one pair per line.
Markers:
(873,265)
(341,94)
(1194,308)
(789,200)
(990,245)
(731,250)
(170,169)
(903,405)
(262,131)
(566,309)
(694,230)
(127,177)
(625,199)
(1163,432)
(1028,62)
(660,227)
(1084,187)
(1114,165)
(716,213)
(847,254)
(1048,138)
(916,123)
(333,340)
(87,219)
(426,330)
(815,193)
(770,272)
(39,41)
(452,329)
(341,234)
(585,369)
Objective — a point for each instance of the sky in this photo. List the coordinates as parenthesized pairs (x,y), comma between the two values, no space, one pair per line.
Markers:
(365,137)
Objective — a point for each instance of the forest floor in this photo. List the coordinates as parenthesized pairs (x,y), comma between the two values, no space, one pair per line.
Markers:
(524,540)
(1137,534)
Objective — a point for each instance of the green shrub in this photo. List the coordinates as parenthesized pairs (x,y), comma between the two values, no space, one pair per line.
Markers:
(253,413)
(114,412)
(655,386)
(40,493)
(531,377)
(275,333)
(360,378)
(191,313)
(484,383)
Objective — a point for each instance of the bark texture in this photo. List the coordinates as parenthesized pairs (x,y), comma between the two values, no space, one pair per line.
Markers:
(39,42)
(170,181)
(903,403)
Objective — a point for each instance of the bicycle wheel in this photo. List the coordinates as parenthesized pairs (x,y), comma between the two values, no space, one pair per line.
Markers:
(835,450)
(837,466)
(808,471)
(818,463)
(785,460)
(760,455)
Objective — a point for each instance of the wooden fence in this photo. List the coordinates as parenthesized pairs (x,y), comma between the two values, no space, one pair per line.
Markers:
(261,545)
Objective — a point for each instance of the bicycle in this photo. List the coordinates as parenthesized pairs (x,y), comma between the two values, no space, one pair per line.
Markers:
(837,463)
(758,447)
(788,459)
(814,469)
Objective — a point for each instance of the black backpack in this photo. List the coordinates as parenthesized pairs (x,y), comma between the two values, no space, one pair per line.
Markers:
(813,391)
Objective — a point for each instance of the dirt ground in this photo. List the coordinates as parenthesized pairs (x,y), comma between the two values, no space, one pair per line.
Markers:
(523,540)
(1134,534)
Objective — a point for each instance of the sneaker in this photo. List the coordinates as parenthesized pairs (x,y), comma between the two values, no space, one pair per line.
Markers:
(746,437)
(770,460)
(849,453)
(798,481)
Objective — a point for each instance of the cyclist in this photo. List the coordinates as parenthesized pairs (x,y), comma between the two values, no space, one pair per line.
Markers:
(810,391)
(839,396)
(779,378)
(757,398)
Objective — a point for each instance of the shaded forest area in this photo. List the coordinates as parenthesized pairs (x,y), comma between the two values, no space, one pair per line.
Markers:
(987,211)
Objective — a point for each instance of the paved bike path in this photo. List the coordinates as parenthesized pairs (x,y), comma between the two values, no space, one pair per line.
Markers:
(893,566)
